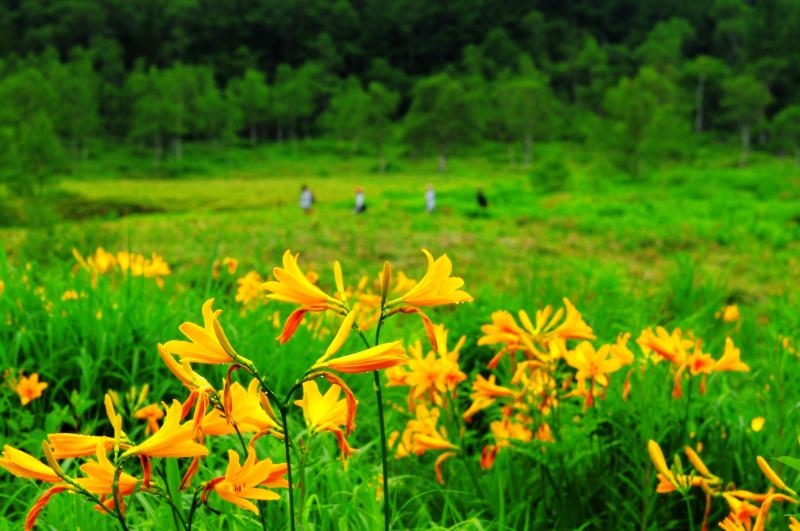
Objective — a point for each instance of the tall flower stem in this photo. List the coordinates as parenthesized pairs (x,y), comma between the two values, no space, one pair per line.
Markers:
(387,508)
(117,497)
(286,444)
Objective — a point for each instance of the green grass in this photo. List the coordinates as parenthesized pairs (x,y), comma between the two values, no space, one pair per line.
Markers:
(670,248)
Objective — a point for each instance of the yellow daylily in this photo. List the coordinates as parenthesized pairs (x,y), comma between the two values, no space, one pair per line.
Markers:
(241,482)
(372,359)
(246,412)
(326,413)
(731,359)
(207,344)
(24,465)
(172,440)
(29,388)
(65,445)
(292,285)
(250,289)
(100,476)
(436,287)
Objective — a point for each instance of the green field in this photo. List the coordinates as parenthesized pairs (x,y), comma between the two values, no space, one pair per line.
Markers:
(669,248)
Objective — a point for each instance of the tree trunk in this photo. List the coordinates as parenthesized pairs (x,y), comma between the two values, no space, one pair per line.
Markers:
(528,149)
(157,150)
(382,161)
(178,145)
(511,157)
(698,104)
(797,155)
(442,162)
(253,135)
(745,145)
(280,133)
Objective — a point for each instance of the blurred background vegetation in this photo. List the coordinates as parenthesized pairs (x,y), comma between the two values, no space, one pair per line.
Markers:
(640,82)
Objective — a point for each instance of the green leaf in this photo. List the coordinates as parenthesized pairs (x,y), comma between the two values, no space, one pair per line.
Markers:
(791,462)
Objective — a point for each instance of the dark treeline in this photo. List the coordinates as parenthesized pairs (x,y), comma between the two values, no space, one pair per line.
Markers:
(631,77)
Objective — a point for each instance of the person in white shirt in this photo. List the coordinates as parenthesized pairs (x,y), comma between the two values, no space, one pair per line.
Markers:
(361,202)
(306,199)
(430,199)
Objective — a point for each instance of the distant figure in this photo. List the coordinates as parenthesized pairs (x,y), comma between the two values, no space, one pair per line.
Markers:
(483,201)
(361,202)
(306,199)
(430,199)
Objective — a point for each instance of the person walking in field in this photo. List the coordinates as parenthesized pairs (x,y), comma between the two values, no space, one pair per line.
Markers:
(483,201)
(430,199)
(306,199)
(361,202)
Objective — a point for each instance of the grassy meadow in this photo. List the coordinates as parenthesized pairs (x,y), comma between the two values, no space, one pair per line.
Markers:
(670,248)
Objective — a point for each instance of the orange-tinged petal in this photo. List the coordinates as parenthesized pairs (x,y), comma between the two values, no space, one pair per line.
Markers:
(38,506)
(371,359)
(172,440)
(24,465)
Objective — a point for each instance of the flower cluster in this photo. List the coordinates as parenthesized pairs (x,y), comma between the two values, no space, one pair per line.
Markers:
(560,361)
(251,409)
(744,505)
(686,356)
(102,262)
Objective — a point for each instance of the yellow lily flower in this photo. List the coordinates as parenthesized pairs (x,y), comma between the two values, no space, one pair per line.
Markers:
(29,388)
(100,476)
(731,359)
(437,287)
(172,440)
(246,412)
(241,482)
(65,445)
(372,359)
(292,285)
(24,465)
(208,344)
(326,413)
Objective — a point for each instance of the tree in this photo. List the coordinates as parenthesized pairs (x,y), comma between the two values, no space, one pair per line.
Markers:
(347,112)
(644,121)
(663,47)
(76,117)
(295,97)
(151,119)
(786,127)
(249,94)
(525,103)
(441,116)
(31,150)
(744,99)
(703,69)
(381,106)
(214,116)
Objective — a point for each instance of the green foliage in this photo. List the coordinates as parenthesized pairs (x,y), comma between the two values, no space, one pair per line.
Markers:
(786,127)
(644,122)
(31,151)
(744,101)
(249,96)
(550,174)
(525,106)
(442,116)
(663,46)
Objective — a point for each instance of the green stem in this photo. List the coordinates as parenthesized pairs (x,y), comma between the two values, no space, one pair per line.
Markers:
(195,504)
(478,489)
(687,498)
(387,509)
(175,511)
(117,499)
(286,444)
